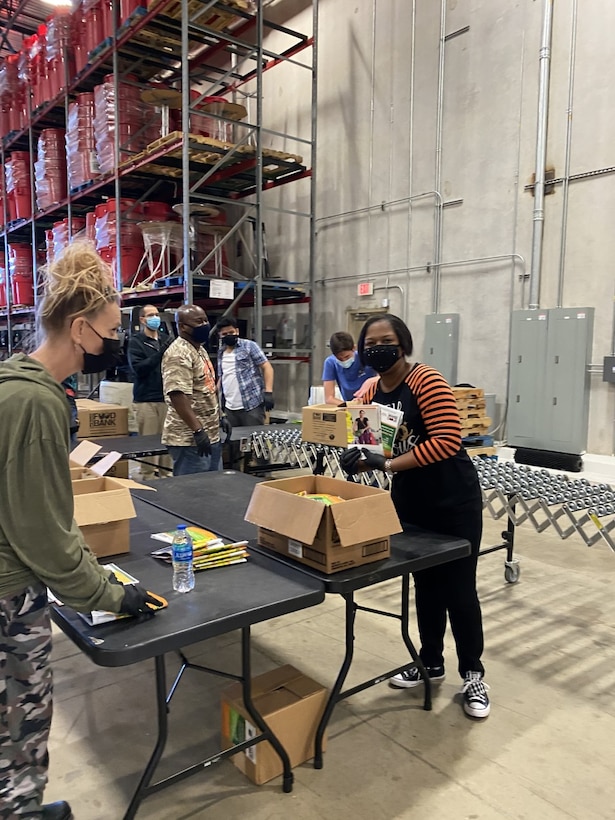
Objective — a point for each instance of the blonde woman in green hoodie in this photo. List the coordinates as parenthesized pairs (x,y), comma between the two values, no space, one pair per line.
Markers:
(40,544)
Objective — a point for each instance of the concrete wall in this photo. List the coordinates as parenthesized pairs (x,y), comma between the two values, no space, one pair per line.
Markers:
(377,143)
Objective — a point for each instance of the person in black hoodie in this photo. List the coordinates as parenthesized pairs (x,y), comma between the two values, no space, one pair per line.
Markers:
(145,351)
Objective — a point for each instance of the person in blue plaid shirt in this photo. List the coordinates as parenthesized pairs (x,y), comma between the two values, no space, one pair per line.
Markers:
(245,377)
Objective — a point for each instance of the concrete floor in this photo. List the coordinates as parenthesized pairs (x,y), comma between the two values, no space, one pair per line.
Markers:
(545,752)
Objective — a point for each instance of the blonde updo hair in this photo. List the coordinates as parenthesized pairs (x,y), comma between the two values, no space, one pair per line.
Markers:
(77,283)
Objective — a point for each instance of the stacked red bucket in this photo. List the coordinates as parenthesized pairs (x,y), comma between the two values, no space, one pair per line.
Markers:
(50,168)
(127,234)
(21,275)
(2,280)
(12,94)
(80,141)
(60,63)
(62,232)
(18,193)
(133,126)
(38,68)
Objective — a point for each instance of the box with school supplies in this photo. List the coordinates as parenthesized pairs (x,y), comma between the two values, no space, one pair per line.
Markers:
(326,536)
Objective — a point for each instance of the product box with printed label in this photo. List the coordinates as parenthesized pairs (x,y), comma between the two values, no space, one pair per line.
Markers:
(347,534)
(291,704)
(341,426)
(97,419)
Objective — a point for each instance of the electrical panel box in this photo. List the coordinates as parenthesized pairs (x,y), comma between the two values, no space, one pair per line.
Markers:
(608,368)
(528,352)
(441,347)
(569,349)
(548,401)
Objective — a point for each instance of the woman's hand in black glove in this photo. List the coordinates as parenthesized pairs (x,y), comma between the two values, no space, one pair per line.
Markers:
(136,600)
(350,461)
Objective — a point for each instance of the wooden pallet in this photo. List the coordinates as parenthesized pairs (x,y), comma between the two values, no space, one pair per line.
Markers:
(274,162)
(478,425)
(471,404)
(472,412)
(468,393)
(481,451)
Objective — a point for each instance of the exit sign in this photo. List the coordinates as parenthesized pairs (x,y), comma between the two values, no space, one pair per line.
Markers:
(365,289)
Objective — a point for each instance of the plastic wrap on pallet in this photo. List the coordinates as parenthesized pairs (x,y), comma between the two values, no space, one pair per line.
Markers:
(81,153)
(50,168)
(58,54)
(17,179)
(138,124)
(12,93)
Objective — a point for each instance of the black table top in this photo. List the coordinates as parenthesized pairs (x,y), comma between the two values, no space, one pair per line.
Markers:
(217,501)
(411,551)
(131,446)
(223,599)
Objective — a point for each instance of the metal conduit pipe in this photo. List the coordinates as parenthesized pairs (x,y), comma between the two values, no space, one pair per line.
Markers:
(389,287)
(566,182)
(381,206)
(514,257)
(438,166)
(538,217)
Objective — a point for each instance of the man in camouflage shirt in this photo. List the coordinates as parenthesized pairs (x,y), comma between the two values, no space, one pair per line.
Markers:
(192,426)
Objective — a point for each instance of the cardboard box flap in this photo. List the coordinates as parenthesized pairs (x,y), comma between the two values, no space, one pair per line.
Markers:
(355,521)
(133,485)
(284,512)
(101,500)
(84,452)
(100,508)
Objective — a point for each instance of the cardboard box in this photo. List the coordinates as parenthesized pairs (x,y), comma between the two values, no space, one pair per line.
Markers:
(338,426)
(97,419)
(103,509)
(330,539)
(291,704)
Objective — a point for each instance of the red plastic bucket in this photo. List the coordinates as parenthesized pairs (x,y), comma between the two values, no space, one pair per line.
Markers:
(22,289)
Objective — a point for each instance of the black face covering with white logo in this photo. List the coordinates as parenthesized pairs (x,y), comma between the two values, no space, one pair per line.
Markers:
(381,357)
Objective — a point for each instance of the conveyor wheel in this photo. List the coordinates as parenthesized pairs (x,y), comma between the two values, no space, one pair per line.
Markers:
(512,571)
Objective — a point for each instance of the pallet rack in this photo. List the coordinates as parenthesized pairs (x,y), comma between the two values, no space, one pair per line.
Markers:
(221,46)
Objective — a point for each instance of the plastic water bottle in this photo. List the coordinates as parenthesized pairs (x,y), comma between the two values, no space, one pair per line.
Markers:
(183,568)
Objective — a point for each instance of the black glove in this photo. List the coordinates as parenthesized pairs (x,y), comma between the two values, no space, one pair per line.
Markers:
(269,402)
(136,599)
(112,578)
(202,442)
(350,460)
(226,426)
(371,460)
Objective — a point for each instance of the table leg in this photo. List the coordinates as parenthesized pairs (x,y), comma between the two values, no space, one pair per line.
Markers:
(246,672)
(405,633)
(161,703)
(337,687)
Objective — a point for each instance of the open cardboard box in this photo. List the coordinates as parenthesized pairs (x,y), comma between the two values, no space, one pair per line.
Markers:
(291,703)
(330,539)
(103,505)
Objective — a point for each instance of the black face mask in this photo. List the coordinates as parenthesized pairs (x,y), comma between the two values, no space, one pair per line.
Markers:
(230,339)
(381,357)
(107,360)
(200,334)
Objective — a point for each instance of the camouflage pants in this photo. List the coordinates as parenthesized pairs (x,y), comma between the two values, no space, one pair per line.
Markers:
(25,700)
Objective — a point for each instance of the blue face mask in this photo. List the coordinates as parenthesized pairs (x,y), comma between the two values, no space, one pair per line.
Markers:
(348,363)
(153,322)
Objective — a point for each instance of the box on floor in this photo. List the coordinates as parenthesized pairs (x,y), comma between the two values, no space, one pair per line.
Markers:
(291,704)
(328,538)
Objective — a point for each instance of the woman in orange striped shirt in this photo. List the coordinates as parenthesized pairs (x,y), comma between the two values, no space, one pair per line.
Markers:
(435,487)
